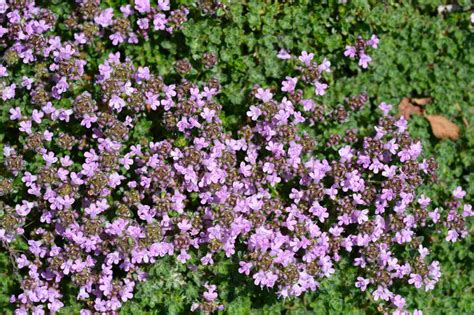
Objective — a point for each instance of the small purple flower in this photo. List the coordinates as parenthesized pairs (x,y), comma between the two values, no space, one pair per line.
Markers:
(373,41)
(142,6)
(143,73)
(104,19)
(458,193)
(350,52)
(8,92)
(364,60)
(117,103)
(283,54)
(15,113)
(289,84)
(320,88)
(385,108)
(416,280)
(306,58)
(3,71)
(264,95)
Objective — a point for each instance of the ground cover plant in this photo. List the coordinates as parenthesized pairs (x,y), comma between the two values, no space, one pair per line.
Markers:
(237,157)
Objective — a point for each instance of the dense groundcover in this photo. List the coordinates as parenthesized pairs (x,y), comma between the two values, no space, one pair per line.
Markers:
(236,156)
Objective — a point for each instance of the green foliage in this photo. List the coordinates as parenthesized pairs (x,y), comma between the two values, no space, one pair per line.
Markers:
(420,54)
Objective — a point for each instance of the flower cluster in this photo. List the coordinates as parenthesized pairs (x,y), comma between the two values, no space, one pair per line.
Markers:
(358,51)
(311,73)
(209,298)
(108,174)
(134,21)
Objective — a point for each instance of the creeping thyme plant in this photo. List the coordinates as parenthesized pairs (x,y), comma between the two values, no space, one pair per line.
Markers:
(92,198)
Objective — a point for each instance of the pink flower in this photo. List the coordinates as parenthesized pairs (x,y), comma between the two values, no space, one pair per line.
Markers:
(104,19)
(283,54)
(264,95)
(15,113)
(289,84)
(345,153)
(385,108)
(373,41)
(458,193)
(208,114)
(362,283)
(3,71)
(320,88)
(254,112)
(24,209)
(364,60)
(142,6)
(350,52)
(143,73)
(452,236)
(306,58)
(116,103)
(8,92)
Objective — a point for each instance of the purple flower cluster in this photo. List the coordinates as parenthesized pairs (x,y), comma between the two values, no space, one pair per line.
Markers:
(120,28)
(101,201)
(358,51)
(312,73)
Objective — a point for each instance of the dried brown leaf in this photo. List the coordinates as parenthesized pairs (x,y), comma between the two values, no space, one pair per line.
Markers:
(421,101)
(443,128)
(406,108)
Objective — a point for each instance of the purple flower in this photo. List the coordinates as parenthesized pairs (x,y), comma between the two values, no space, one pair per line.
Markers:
(373,41)
(306,58)
(142,6)
(143,73)
(117,38)
(350,52)
(364,60)
(458,193)
(8,92)
(416,280)
(164,5)
(24,209)
(320,88)
(3,71)
(264,95)
(117,103)
(385,108)
(382,293)
(289,84)
(325,66)
(345,153)
(283,54)
(15,113)
(452,236)
(208,114)
(210,295)
(104,19)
